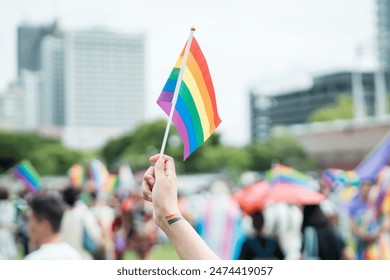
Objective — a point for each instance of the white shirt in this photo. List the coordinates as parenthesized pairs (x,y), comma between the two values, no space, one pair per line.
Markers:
(8,248)
(73,224)
(55,251)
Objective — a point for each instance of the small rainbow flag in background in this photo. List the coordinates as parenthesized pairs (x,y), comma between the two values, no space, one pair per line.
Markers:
(196,115)
(338,177)
(25,172)
(283,174)
(77,175)
(98,173)
(111,184)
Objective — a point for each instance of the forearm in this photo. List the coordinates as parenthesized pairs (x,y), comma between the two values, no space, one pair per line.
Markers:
(188,244)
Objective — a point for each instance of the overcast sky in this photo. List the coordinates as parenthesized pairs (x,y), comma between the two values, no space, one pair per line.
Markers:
(269,45)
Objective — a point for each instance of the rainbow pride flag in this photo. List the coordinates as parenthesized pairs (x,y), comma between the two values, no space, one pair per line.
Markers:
(283,174)
(385,205)
(338,177)
(98,173)
(196,115)
(25,172)
(77,175)
(111,184)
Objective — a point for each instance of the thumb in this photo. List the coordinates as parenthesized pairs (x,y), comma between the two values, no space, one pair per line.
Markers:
(159,169)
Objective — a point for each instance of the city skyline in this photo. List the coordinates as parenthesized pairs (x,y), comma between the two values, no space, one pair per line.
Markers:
(295,41)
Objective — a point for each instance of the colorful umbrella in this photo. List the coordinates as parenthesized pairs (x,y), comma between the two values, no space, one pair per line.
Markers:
(256,196)
(290,193)
(248,198)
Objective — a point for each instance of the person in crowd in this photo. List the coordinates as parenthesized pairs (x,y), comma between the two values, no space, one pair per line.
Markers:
(284,221)
(260,246)
(105,217)
(364,223)
(79,227)
(123,227)
(7,226)
(44,225)
(144,236)
(221,224)
(320,240)
(159,186)
(22,221)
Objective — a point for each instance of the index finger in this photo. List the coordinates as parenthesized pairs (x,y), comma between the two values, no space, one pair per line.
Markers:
(149,172)
(170,169)
(156,157)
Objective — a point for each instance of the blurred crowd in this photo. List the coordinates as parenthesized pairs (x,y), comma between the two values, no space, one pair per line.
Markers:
(351,222)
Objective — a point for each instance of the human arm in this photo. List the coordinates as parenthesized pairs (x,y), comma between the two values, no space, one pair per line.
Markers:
(363,234)
(160,187)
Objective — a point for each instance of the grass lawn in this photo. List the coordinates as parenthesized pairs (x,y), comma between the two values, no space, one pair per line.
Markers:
(159,252)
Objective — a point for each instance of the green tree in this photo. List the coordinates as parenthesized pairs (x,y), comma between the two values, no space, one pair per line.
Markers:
(15,147)
(54,159)
(342,109)
(145,141)
(261,156)
(47,155)
(137,146)
(289,152)
(285,150)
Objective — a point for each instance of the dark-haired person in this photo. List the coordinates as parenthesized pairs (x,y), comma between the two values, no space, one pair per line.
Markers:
(79,225)
(320,239)
(105,216)
(7,226)
(260,246)
(44,225)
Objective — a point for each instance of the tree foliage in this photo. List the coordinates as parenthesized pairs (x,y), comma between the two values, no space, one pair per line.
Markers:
(135,148)
(285,150)
(342,109)
(47,155)
(50,157)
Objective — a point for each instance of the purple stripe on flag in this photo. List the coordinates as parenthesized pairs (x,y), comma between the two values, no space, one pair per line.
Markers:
(26,182)
(166,96)
(375,161)
(180,126)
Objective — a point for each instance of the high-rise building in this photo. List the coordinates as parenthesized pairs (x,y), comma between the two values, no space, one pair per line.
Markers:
(10,101)
(29,45)
(295,107)
(29,83)
(92,85)
(104,79)
(52,92)
(383,33)
(19,103)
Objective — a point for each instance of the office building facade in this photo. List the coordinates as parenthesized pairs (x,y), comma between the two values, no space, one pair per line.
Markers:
(92,85)
(383,33)
(29,45)
(295,107)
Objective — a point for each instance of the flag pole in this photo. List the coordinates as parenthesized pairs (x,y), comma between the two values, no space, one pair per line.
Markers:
(176,92)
